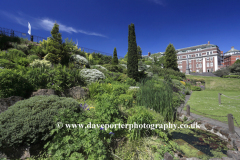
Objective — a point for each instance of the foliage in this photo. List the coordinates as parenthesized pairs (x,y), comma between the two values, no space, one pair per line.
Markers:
(22,48)
(237,61)
(133,92)
(113,68)
(97,88)
(235,68)
(119,89)
(13,83)
(130,81)
(158,98)
(148,62)
(90,143)
(79,61)
(32,57)
(33,120)
(15,53)
(163,71)
(7,64)
(176,77)
(171,58)
(196,88)
(4,41)
(222,72)
(21,61)
(132,62)
(231,76)
(139,51)
(115,58)
(160,61)
(40,63)
(126,100)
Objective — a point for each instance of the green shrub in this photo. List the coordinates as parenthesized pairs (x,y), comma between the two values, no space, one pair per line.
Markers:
(113,68)
(148,62)
(93,143)
(196,88)
(119,89)
(133,92)
(30,121)
(123,78)
(97,88)
(126,100)
(175,77)
(16,53)
(130,81)
(115,76)
(33,57)
(23,48)
(139,115)
(7,64)
(22,61)
(222,72)
(231,76)
(235,68)
(163,71)
(13,83)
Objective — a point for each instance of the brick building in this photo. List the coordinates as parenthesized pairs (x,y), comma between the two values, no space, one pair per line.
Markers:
(230,57)
(201,58)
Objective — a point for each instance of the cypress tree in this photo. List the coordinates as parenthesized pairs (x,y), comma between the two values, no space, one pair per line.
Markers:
(170,59)
(132,63)
(115,58)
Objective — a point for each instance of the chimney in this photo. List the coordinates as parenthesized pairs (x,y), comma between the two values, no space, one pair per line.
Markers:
(208,42)
(232,47)
(149,54)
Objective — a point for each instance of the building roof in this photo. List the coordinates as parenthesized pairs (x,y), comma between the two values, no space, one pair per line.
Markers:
(232,50)
(202,46)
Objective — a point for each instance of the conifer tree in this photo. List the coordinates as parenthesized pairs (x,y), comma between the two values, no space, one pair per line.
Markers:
(132,63)
(115,58)
(139,51)
(170,59)
(55,45)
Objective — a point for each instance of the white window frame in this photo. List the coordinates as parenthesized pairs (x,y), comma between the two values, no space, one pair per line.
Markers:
(190,66)
(200,65)
(196,65)
(197,55)
(189,56)
(200,60)
(207,53)
(207,64)
(211,58)
(207,58)
(190,61)
(196,60)
(211,52)
(200,54)
(211,64)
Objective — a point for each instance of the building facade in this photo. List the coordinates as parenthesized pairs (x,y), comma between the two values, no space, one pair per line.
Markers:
(230,57)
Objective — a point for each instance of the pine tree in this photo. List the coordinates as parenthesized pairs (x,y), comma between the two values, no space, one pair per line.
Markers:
(132,63)
(170,59)
(139,51)
(55,45)
(115,58)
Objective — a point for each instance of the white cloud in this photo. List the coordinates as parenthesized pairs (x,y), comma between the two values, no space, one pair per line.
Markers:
(44,23)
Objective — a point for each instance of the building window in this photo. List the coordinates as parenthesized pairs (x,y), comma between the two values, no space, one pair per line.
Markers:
(211,58)
(200,60)
(237,58)
(211,52)
(200,65)
(200,54)
(190,61)
(207,58)
(190,66)
(198,49)
(196,55)
(196,60)
(207,53)
(189,56)
(197,65)
(207,64)
(211,64)
(180,62)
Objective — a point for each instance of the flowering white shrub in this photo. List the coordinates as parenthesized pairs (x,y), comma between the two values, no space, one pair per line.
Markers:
(40,63)
(124,65)
(92,75)
(79,61)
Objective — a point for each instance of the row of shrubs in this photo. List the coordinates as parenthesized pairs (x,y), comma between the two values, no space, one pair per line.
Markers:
(231,76)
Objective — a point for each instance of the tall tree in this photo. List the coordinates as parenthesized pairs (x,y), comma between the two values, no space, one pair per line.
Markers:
(139,51)
(115,58)
(55,45)
(170,59)
(132,63)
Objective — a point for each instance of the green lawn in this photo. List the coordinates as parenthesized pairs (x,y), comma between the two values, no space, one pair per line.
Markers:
(207,101)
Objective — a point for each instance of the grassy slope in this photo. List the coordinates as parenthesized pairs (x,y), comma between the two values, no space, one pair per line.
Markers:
(207,101)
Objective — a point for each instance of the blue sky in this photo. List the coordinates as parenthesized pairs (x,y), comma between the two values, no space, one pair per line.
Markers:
(103,24)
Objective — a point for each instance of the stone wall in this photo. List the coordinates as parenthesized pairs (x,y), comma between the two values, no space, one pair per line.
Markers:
(7,102)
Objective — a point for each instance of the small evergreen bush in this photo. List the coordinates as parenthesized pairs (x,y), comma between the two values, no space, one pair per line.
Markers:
(196,88)
(231,76)
(126,100)
(113,68)
(30,121)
